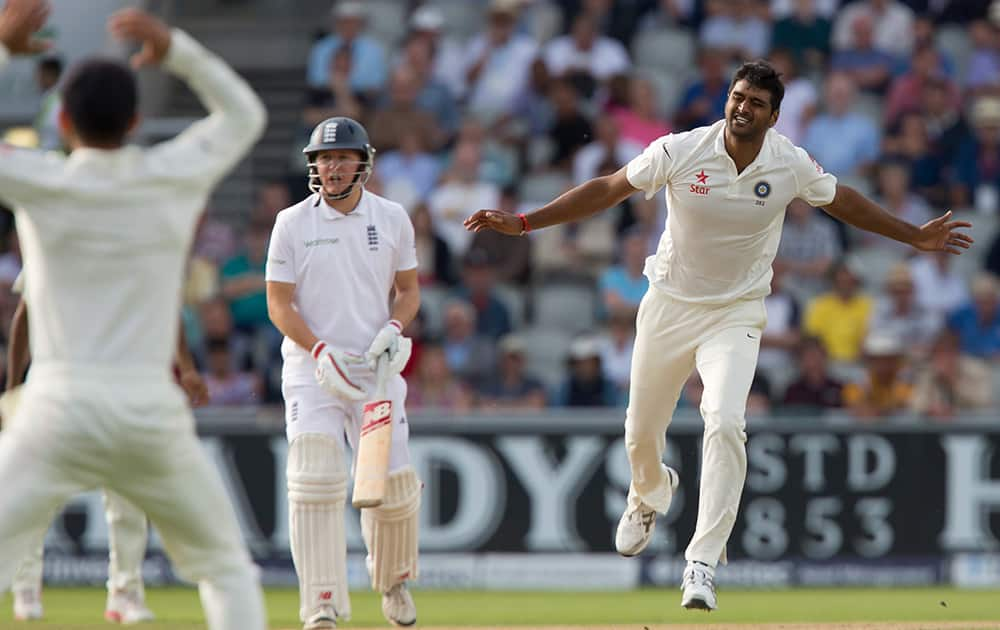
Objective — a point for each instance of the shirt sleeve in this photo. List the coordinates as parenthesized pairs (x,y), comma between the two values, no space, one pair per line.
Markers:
(816,186)
(213,145)
(651,170)
(280,266)
(407,246)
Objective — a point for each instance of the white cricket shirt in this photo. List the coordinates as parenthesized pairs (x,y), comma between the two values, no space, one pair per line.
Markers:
(722,228)
(343,267)
(105,233)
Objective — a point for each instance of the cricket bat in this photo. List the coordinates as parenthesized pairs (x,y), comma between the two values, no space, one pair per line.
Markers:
(372,464)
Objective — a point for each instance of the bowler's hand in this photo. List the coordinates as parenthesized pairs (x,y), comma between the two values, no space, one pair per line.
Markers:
(142,28)
(20,20)
(496,220)
(195,388)
(942,235)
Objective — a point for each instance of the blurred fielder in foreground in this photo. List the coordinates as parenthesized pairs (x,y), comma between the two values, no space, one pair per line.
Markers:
(127,529)
(727,187)
(104,234)
(333,260)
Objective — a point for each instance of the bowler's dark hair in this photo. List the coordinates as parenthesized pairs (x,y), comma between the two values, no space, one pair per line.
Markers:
(100,97)
(762,75)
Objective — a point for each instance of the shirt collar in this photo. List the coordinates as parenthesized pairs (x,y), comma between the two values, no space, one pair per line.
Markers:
(766,148)
(332,214)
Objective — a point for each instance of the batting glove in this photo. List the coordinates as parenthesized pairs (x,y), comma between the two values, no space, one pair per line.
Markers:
(332,375)
(390,339)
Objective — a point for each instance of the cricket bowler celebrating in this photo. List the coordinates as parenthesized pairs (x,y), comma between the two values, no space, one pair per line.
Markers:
(105,233)
(727,187)
(333,260)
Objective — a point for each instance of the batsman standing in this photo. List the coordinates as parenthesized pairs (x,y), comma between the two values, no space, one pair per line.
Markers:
(333,261)
(727,186)
(105,233)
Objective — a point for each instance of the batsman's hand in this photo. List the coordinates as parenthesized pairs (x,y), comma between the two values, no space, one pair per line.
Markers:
(195,388)
(332,372)
(390,339)
(150,32)
(942,235)
(496,220)
(20,20)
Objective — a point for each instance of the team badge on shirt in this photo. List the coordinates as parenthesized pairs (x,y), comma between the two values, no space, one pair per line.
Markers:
(372,239)
(762,189)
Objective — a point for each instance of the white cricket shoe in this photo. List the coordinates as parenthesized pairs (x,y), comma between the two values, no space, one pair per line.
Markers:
(28,604)
(699,587)
(323,619)
(635,529)
(398,606)
(127,607)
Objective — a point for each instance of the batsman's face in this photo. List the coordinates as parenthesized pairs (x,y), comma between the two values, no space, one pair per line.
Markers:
(748,111)
(337,169)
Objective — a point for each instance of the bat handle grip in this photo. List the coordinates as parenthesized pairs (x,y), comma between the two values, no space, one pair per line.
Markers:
(381,374)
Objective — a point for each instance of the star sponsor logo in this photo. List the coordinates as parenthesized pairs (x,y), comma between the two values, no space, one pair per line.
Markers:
(701,188)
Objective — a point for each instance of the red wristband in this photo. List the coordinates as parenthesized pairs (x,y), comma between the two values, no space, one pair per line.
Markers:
(397,324)
(524,223)
(317,349)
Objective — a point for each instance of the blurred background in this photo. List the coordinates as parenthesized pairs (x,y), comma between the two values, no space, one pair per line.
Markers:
(873,418)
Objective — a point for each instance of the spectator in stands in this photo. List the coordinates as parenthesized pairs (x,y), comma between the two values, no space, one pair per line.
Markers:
(460,189)
(815,389)
(738,27)
(983,67)
(977,163)
(434,260)
(803,31)
(704,100)
(585,57)
(478,288)
(512,388)
(809,246)
(435,386)
(944,125)
(46,125)
(399,111)
(639,121)
(368,61)
(940,287)
(869,67)
(898,313)
(883,390)
(607,147)
(759,400)
(433,95)
(214,238)
(839,318)
(842,140)
(10,259)
(616,347)
(926,168)
(892,24)
(447,63)
(335,97)
(977,323)
(667,15)
(226,385)
(270,198)
(215,321)
(243,282)
(415,330)
(799,105)
(201,281)
(623,285)
(470,356)
(783,330)
(511,256)
(571,129)
(586,385)
(410,173)
(895,196)
(498,162)
(781,9)
(499,62)
(950,382)
(906,91)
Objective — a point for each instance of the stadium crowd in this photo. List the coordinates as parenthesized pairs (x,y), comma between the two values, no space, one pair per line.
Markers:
(507,110)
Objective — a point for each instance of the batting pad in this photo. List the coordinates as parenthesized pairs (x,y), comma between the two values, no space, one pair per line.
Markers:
(390,531)
(317,492)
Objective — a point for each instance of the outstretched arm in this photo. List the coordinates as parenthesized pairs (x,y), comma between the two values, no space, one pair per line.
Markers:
(577,203)
(940,234)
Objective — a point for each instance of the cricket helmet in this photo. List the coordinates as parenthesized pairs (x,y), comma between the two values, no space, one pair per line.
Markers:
(339,132)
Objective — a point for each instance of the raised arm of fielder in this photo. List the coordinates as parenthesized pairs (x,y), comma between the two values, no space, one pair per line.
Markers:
(848,205)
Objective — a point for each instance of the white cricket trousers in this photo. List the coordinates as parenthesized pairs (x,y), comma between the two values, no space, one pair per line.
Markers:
(127,429)
(721,341)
